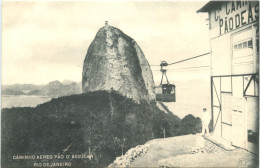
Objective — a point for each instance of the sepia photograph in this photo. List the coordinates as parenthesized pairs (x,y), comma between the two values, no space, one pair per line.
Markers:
(89,84)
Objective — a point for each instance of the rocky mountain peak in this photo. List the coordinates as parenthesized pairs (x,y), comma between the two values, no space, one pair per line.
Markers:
(114,61)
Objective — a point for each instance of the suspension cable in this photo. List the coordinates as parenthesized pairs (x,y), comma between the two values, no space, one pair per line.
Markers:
(189,58)
(186,68)
(186,59)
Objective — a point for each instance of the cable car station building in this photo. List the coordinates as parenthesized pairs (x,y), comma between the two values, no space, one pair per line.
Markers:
(234,42)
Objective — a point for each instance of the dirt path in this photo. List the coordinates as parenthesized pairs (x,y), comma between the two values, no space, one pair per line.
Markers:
(176,152)
(164,148)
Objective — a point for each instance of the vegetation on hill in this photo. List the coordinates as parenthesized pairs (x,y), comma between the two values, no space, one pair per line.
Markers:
(99,124)
(191,124)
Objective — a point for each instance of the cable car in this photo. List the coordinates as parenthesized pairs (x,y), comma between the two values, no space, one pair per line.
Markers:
(165,92)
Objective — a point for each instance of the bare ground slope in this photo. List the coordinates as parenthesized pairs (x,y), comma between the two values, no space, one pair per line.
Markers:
(176,152)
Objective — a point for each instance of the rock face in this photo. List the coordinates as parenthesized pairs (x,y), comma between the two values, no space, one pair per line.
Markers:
(114,61)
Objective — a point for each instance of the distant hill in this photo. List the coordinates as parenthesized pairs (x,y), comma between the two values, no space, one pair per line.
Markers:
(12,92)
(67,82)
(52,89)
(22,87)
(34,92)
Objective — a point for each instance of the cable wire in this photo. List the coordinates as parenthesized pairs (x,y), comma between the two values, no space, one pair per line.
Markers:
(186,59)
(189,58)
(172,69)
(189,68)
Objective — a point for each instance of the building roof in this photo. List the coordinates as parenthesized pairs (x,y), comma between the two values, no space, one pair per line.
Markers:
(210,5)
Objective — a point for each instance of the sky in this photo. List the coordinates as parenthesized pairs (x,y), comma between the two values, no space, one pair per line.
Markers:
(44,41)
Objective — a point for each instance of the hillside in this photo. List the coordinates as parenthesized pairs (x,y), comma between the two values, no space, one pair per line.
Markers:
(107,122)
(92,119)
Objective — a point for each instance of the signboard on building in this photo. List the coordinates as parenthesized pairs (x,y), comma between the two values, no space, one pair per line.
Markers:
(231,15)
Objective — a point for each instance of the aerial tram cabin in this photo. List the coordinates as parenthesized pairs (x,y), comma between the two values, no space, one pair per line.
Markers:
(165,92)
